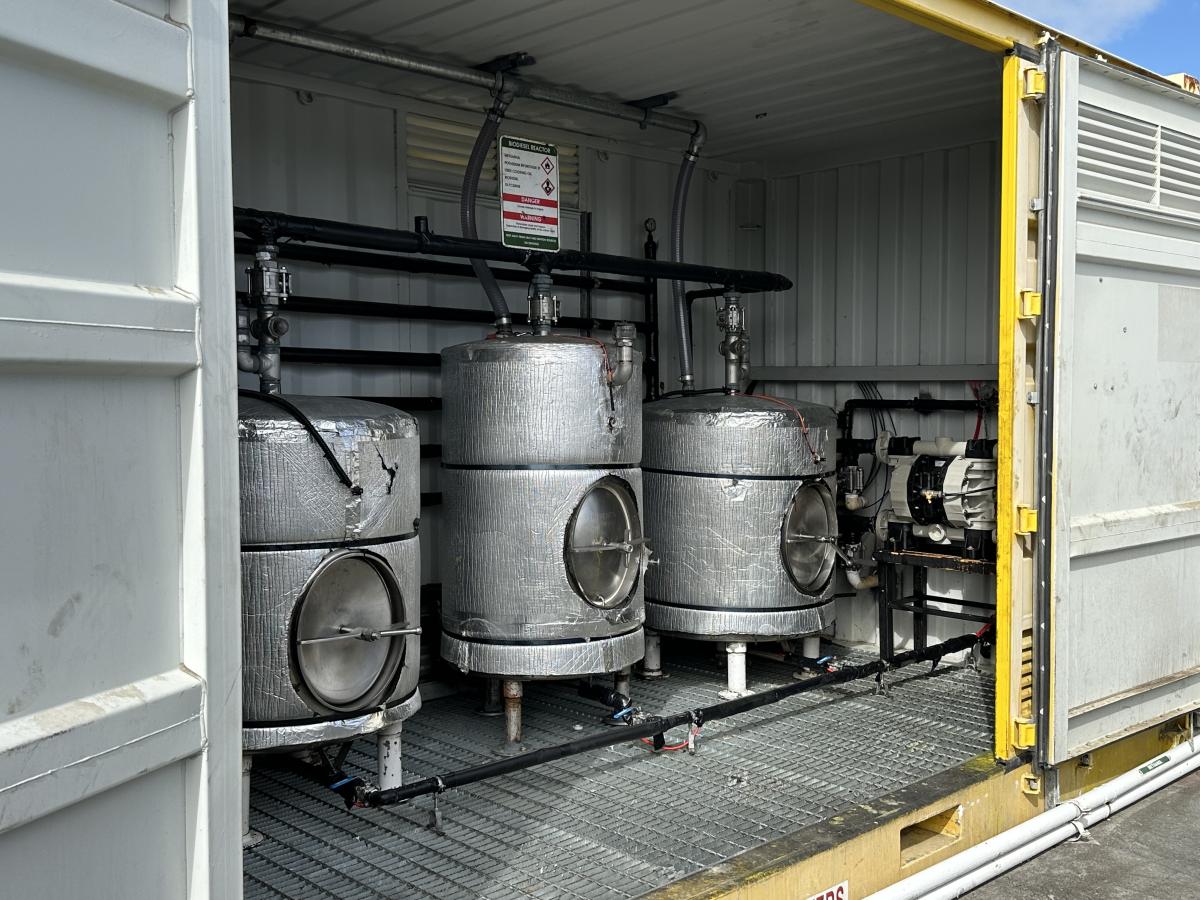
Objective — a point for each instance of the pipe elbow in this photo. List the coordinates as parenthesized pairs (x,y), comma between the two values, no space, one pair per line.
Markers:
(623,372)
(699,136)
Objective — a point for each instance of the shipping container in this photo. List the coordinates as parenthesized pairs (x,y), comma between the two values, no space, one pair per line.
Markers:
(991,223)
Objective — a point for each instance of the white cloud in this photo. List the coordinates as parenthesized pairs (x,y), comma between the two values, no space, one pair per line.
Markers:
(1095,21)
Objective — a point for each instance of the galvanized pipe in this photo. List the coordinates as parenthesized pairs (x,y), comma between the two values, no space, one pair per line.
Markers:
(652,661)
(244,26)
(513,692)
(389,770)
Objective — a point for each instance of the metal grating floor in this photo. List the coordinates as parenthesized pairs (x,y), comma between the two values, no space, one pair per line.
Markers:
(623,821)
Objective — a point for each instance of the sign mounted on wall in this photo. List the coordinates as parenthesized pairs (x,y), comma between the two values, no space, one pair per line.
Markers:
(528,194)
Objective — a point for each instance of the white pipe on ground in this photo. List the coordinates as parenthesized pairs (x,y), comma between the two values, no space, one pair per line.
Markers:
(971,868)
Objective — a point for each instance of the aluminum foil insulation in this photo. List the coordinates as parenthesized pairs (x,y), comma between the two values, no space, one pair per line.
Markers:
(272,585)
(289,492)
(530,426)
(712,434)
(504,578)
(526,400)
(720,474)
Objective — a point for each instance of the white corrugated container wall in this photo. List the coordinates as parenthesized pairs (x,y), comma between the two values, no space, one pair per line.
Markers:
(119,681)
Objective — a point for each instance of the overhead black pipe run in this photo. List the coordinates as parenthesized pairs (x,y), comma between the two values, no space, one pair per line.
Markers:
(916,404)
(355,793)
(255,223)
(336,256)
(330,356)
(334,306)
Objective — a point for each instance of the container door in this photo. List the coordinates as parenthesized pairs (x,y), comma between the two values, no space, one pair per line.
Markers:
(119,686)
(1121,518)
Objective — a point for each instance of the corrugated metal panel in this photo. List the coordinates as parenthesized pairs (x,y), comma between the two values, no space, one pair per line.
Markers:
(770,79)
(894,263)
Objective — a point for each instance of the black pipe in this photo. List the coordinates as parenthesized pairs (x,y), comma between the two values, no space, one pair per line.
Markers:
(916,404)
(371,796)
(336,256)
(650,363)
(258,223)
(470,184)
(333,306)
(409,404)
(329,356)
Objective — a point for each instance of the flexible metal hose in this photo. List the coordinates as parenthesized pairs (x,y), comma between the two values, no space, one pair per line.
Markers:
(470,186)
(683,322)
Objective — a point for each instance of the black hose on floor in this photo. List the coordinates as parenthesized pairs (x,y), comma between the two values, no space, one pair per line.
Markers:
(371,796)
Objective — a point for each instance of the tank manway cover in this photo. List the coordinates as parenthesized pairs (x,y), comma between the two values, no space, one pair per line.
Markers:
(712,434)
(290,493)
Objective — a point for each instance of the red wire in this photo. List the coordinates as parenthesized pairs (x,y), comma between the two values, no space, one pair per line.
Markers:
(984,630)
(679,746)
(803,424)
(608,369)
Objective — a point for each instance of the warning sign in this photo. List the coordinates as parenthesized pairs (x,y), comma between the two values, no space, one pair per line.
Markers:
(528,194)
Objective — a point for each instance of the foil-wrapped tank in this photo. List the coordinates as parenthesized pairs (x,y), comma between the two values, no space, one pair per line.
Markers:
(321,559)
(739,515)
(542,553)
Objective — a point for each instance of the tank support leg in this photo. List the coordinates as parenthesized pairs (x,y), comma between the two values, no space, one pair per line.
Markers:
(492,703)
(250,837)
(621,681)
(735,670)
(389,773)
(811,648)
(652,662)
(513,691)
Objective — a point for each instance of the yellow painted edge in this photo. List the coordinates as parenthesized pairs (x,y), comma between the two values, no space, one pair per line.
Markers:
(871,860)
(1008,674)
(919,14)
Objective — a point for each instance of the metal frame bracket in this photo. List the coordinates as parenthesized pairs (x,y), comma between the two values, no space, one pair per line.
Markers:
(1033,85)
(1027,520)
(1030,305)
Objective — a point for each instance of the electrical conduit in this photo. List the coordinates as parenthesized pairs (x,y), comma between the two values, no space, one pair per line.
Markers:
(970,868)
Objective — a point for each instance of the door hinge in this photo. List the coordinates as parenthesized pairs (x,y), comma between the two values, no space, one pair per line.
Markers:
(1034,86)
(1030,306)
(1027,520)
(1024,734)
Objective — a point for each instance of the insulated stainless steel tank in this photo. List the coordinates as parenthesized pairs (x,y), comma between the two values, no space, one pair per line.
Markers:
(542,550)
(330,570)
(740,516)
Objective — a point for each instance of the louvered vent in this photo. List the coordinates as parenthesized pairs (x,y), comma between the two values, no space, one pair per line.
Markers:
(1118,155)
(437,152)
(1179,182)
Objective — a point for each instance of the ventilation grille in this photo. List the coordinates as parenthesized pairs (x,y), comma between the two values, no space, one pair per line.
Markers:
(437,152)
(1137,160)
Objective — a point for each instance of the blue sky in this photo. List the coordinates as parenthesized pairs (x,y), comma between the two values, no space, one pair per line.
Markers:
(1162,35)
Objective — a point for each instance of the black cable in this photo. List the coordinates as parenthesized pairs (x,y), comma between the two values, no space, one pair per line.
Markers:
(372,796)
(296,413)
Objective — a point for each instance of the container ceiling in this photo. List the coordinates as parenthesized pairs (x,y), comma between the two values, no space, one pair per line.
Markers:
(772,80)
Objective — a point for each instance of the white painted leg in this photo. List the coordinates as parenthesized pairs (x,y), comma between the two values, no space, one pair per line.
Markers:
(652,661)
(390,773)
(250,837)
(811,649)
(735,670)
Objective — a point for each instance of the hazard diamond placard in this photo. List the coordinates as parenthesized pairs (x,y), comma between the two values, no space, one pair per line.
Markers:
(528,194)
